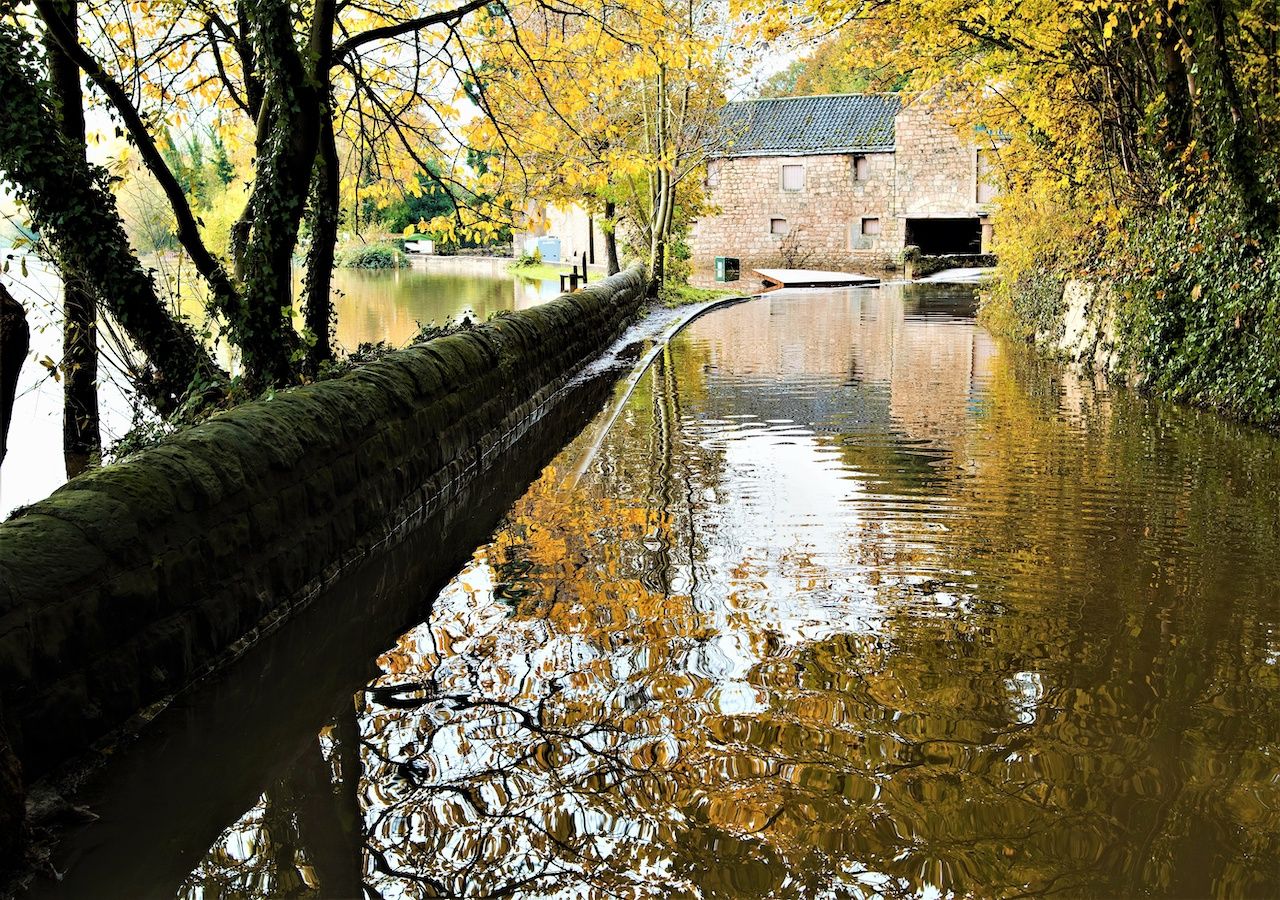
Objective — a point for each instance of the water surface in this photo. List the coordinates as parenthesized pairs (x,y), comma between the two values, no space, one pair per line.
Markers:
(370,306)
(850,600)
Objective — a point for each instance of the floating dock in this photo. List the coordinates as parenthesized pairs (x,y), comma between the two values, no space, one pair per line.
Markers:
(776,278)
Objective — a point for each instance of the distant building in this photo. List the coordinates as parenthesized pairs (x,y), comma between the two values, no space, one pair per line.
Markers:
(578,232)
(843,181)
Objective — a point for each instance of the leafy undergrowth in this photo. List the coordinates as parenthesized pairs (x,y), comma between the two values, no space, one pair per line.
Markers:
(370,256)
(1196,293)
(1199,310)
(1035,260)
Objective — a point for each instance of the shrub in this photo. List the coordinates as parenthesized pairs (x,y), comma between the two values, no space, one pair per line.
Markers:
(369,256)
(528,260)
(431,331)
(1050,244)
(1198,309)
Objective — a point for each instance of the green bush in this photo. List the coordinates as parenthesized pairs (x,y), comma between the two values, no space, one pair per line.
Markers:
(1199,309)
(370,256)
(528,260)
(430,331)
(1049,244)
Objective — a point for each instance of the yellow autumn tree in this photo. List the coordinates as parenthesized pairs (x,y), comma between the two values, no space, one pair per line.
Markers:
(325,94)
(613,106)
(1139,147)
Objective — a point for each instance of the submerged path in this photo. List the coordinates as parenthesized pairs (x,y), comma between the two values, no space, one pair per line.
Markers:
(846,598)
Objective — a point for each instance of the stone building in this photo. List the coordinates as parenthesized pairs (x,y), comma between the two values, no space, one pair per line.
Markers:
(580,233)
(843,182)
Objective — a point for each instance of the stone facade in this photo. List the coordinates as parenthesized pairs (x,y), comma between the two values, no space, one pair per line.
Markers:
(823,218)
(847,214)
(935,170)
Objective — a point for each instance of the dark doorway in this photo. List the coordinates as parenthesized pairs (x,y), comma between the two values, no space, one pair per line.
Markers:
(945,237)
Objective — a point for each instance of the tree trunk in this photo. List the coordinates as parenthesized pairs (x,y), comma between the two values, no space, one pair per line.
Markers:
(291,121)
(1177,90)
(658,235)
(608,227)
(62,34)
(15,340)
(318,302)
(664,192)
(81,438)
(661,230)
(1242,155)
(74,211)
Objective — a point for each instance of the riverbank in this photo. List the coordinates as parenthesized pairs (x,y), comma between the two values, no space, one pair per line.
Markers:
(1183,306)
(132,580)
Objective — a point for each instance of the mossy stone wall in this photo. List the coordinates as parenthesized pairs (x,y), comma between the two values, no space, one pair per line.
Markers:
(131,580)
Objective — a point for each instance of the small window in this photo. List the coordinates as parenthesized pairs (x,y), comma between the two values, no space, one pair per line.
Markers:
(779,227)
(861,168)
(713,173)
(871,227)
(793,178)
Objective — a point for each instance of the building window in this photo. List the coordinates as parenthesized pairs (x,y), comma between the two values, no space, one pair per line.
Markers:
(713,173)
(871,227)
(793,178)
(987,189)
(861,168)
(778,227)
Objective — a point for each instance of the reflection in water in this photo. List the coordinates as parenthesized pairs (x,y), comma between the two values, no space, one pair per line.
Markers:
(851,601)
(371,306)
(381,305)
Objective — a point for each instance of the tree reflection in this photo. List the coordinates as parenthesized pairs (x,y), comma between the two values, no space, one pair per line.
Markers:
(1030,648)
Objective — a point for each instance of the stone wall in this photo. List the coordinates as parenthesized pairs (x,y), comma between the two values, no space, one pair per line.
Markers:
(824,217)
(1086,334)
(936,169)
(131,580)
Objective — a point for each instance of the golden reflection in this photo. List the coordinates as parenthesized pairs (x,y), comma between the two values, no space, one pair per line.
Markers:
(850,602)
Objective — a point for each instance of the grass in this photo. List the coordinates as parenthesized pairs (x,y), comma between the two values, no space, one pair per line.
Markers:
(673,295)
(539,272)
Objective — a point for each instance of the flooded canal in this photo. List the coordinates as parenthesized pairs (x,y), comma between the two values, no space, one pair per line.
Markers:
(848,600)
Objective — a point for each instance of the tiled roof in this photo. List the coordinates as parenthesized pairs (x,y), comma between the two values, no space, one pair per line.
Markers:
(834,123)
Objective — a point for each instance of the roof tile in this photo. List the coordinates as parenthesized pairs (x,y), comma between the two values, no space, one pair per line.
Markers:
(834,123)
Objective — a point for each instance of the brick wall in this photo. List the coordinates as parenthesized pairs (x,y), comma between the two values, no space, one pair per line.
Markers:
(129,581)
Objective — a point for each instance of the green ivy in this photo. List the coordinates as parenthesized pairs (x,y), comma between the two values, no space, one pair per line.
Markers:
(1199,309)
